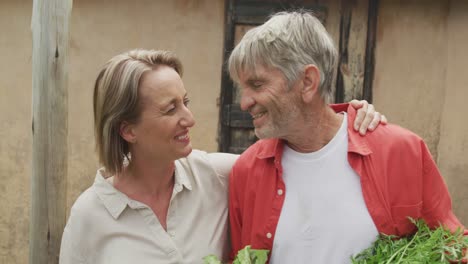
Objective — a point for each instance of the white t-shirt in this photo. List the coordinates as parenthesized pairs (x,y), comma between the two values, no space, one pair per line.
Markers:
(324,218)
(106,226)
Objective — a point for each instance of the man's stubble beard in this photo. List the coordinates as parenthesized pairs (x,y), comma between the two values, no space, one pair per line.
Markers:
(285,122)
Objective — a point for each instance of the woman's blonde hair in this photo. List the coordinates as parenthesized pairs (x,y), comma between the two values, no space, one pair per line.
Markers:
(116,100)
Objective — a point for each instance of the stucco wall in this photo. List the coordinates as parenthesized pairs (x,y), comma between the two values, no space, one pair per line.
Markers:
(420,81)
(102,29)
(411,60)
(453,143)
(99,30)
(15,129)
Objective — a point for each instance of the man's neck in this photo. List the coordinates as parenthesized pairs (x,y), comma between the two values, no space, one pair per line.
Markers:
(318,129)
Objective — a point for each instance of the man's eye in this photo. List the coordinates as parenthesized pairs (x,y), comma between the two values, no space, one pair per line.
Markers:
(170,110)
(186,102)
(257,85)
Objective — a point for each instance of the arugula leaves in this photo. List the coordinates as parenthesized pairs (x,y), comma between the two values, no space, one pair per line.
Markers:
(244,256)
(211,259)
(425,246)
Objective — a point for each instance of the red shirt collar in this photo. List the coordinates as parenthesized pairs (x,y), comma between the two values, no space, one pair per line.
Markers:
(356,143)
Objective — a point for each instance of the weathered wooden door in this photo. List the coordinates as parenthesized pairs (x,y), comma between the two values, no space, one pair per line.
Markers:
(353,22)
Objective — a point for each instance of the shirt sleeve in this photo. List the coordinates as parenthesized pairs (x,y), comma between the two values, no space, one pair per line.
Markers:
(235,215)
(437,207)
(70,254)
(222,163)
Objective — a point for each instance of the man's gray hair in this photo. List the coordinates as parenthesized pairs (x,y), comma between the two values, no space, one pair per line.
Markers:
(288,41)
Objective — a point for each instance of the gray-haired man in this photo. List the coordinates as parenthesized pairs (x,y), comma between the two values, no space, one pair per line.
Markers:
(309,190)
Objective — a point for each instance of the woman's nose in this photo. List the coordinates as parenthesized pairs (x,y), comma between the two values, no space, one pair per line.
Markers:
(187,119)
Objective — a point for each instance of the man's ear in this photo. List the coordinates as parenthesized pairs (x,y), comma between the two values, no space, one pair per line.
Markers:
(127,133)
(311,83)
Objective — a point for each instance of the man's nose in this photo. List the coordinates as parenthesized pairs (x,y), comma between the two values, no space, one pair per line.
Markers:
(247,100)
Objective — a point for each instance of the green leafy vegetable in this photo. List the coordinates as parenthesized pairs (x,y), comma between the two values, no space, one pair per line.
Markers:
(425,246)
(244,256)
(211,259)
(251,256)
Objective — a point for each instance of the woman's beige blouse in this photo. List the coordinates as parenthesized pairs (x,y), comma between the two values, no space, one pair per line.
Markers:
(105,226)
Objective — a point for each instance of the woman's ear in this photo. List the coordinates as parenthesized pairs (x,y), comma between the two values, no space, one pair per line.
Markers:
(127,133)
(311,83)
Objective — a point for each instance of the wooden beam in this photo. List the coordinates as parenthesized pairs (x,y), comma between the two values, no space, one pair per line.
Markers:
(352,50)
(370,49)
(49,25)
(226,83)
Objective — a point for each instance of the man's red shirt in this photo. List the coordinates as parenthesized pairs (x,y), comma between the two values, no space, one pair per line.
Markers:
(398,178)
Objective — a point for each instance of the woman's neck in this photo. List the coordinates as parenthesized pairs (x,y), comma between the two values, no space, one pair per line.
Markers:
(146,179)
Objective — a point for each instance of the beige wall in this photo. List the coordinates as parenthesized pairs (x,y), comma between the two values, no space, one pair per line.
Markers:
(420,81)
(453,143)
(15,129)
(99,30)
(411,58)
(104,28)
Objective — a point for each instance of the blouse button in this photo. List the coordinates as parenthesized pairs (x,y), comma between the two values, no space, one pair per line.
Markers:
(268,235)
(280,192)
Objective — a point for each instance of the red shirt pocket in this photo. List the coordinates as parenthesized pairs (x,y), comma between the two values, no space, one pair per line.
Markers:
(400,214)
